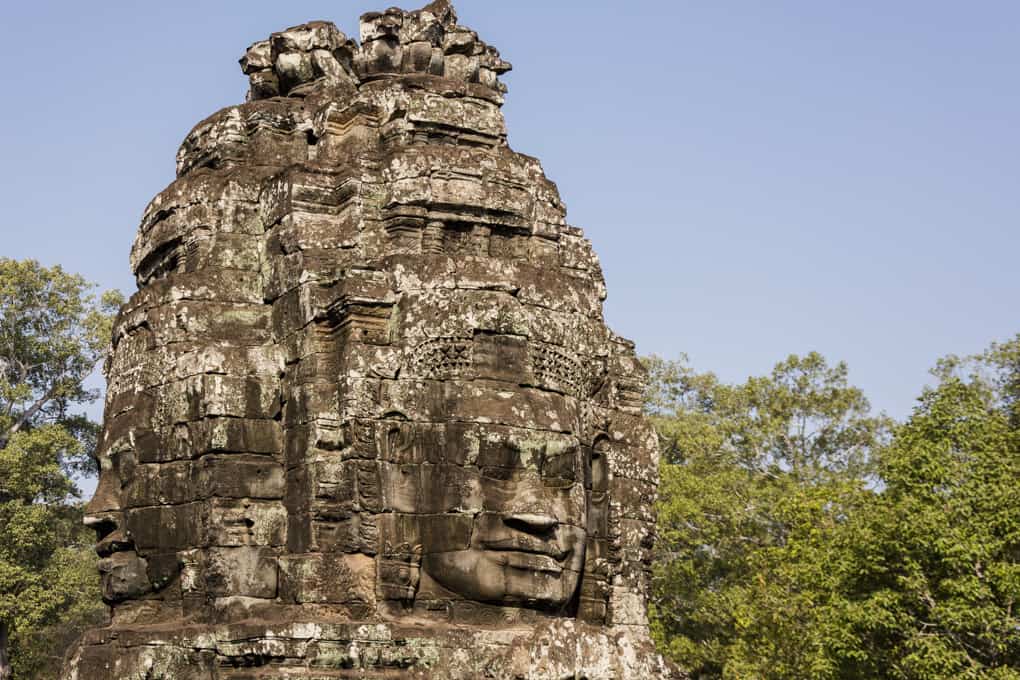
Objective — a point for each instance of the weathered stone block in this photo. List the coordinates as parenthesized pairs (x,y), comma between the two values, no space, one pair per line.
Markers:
(244,523)
(340,579)
(170,527)
(245,572)
(220,476)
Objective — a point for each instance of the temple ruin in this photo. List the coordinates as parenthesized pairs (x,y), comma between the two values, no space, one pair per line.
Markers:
(364,416)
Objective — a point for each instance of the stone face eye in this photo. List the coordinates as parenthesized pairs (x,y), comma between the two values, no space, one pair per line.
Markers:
(560,469)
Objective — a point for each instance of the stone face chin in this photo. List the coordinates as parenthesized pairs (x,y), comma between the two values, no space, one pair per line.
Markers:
(508,576)
(123,576)
(364,417)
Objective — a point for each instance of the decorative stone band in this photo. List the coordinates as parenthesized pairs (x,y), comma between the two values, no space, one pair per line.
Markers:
(547,366)
(563,650)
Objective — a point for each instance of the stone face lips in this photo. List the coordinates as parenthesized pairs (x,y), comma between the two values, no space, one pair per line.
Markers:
(364,417)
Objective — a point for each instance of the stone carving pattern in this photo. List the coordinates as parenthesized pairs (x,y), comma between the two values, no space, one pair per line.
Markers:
(443,358)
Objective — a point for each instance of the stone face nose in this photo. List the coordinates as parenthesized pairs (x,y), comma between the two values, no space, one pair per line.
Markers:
(103,515)
(106,498)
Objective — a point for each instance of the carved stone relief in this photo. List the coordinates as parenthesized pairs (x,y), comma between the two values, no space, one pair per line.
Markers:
(364,417)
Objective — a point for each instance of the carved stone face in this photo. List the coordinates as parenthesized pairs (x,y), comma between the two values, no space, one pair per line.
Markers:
(528,533)
(527,544)
(123,574)
(484,480)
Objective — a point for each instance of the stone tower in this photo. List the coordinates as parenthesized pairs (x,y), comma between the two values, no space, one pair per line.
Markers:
(364,417)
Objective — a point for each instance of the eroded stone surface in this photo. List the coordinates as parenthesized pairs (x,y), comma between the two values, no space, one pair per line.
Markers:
(364,416)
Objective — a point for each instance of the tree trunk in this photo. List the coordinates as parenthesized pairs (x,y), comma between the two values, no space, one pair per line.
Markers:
(5,662)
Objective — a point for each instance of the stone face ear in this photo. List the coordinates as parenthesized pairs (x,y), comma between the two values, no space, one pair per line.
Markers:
(364,415)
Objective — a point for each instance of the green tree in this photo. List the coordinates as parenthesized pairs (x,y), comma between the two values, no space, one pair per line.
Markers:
(53,333)
(747,469)
(804,419)
(926,580)
(906,567)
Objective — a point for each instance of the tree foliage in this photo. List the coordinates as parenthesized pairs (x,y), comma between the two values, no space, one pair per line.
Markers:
(856,556)
(803,420)
(944,569)
(53,333)
(746,468)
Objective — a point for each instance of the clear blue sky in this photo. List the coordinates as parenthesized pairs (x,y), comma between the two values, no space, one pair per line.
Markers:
(759,178)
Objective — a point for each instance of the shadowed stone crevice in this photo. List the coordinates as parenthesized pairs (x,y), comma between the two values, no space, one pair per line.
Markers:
(364,417)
